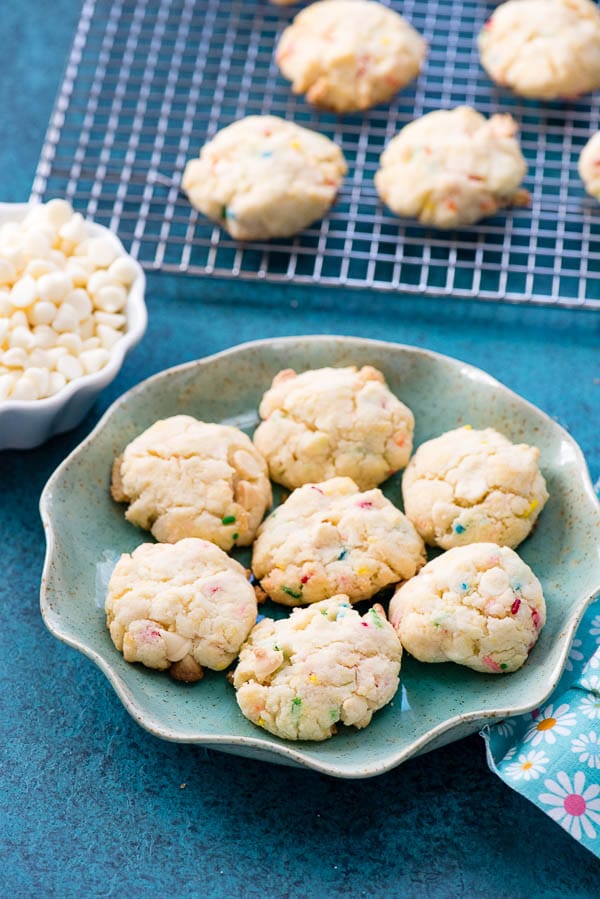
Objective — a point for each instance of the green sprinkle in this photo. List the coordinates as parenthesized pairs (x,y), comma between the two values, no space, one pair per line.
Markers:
(333,714)
(296,705)
(291,592)
(376,617)
(235,536)
(503,666)
(276,647)
(223,212)
(229,519)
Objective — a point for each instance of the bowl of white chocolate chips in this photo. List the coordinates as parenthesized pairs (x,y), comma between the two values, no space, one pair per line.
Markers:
(71,307)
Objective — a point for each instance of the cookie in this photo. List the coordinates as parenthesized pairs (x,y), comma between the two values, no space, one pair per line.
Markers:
(185,607)
(544,49)
(480,606)
(470,486)
(589,166)
(189,478)
(263,177)
(452,168)
(299,677)
(348,55)
(333,421)
(330,538)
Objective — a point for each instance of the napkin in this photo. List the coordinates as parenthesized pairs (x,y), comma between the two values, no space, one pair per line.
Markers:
(552,755)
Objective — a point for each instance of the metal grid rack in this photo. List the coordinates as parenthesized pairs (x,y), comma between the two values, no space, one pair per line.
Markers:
(148,81)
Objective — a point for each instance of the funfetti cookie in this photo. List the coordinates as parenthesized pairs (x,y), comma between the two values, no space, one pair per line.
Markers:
(329,537)
(470,486)
(480,606)
(589,166)
(545,49)
(188,478)
(264,177)
(184,607)
(348,55)
(326,664)
(333,421)
(452,168)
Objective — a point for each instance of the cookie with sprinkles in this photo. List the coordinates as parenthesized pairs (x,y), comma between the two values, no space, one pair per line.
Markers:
(187,478)
(330,538)
(349,55)
(300,676)
(589,166)
(263,177)
(544,49)
(451,168)
(326,422)
(470,486)
(480,606)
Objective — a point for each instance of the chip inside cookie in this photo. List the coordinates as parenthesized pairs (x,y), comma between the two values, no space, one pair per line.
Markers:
(333,421)
(480,606)
(469,486)
(188,478)
(330,538)
(183,607)
(326,664)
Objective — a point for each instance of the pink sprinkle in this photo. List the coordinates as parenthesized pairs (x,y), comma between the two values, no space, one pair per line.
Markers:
(215,589)
(515,606)
(365,623)
(535,616)
(365,505)
(491,664)
(318,489)
(305,578)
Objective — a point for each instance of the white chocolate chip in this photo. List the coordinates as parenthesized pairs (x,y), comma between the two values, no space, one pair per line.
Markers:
(94,360)
(97,281)
(56,382)
(124,270)
(112,319)
(15,357)
(58,213)
(102,251)
(108,336)
(40,377)
(54,286)
(44,336)
(4,326)
(7,382)
(80,301)
(25,388)
(38,267)
(24,292)
(7,271)
(66,319)
(71,342)
(42,313)
(70,367)
(21,337)
(111,298)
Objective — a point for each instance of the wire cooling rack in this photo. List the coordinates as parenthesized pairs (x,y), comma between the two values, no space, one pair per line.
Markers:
(148,82)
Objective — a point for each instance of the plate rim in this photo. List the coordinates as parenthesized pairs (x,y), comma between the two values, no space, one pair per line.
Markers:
(285,751)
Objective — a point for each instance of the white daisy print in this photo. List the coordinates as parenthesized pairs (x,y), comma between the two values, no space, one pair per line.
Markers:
(528,766)
(573,807)
(590,704)
(574,655)
(593,663)
(595,628)
(588,747)
(505,728)
(549,724)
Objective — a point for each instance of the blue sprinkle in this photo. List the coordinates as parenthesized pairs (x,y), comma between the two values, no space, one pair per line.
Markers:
(266,154)
(459,528)
(259,618)
(464,587)
(343,554)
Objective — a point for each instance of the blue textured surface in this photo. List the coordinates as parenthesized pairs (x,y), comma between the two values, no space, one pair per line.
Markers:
(94,806)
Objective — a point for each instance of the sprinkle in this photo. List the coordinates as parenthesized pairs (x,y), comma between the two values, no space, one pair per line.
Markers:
(504,666)
(261,722)
(487,660)
(364,623)
(259,618)
(229,519)
(276,647)
(400,440)
(313,679)
(223,212)
(459,528)
(535,616)
(333,714)
(365,504)
(530,508)
(295,145)
(376,617)
(318,489)
(305,578)
(290,592)
(235,536)
(342,555)
(363,569)
(266,154)
(464,587)
(468,427)
(296,705)
(515,606)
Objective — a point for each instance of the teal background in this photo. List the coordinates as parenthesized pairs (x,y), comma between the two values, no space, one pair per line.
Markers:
(91,805)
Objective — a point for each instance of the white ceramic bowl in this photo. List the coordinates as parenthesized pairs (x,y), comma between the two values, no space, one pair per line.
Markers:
(25,424)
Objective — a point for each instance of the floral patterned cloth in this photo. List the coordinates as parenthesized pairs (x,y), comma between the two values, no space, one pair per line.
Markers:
(552,755)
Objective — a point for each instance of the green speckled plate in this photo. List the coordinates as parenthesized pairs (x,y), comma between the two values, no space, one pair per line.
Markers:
(86,532)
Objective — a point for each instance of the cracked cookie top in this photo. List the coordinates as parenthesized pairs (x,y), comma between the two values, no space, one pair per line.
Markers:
(300,676)
(480,606)
(330,538)
(184,606)
(469,486)
(333,421)
(188,478)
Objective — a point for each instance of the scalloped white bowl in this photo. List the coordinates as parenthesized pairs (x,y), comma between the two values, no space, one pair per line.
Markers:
(26,424)
(86,532)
